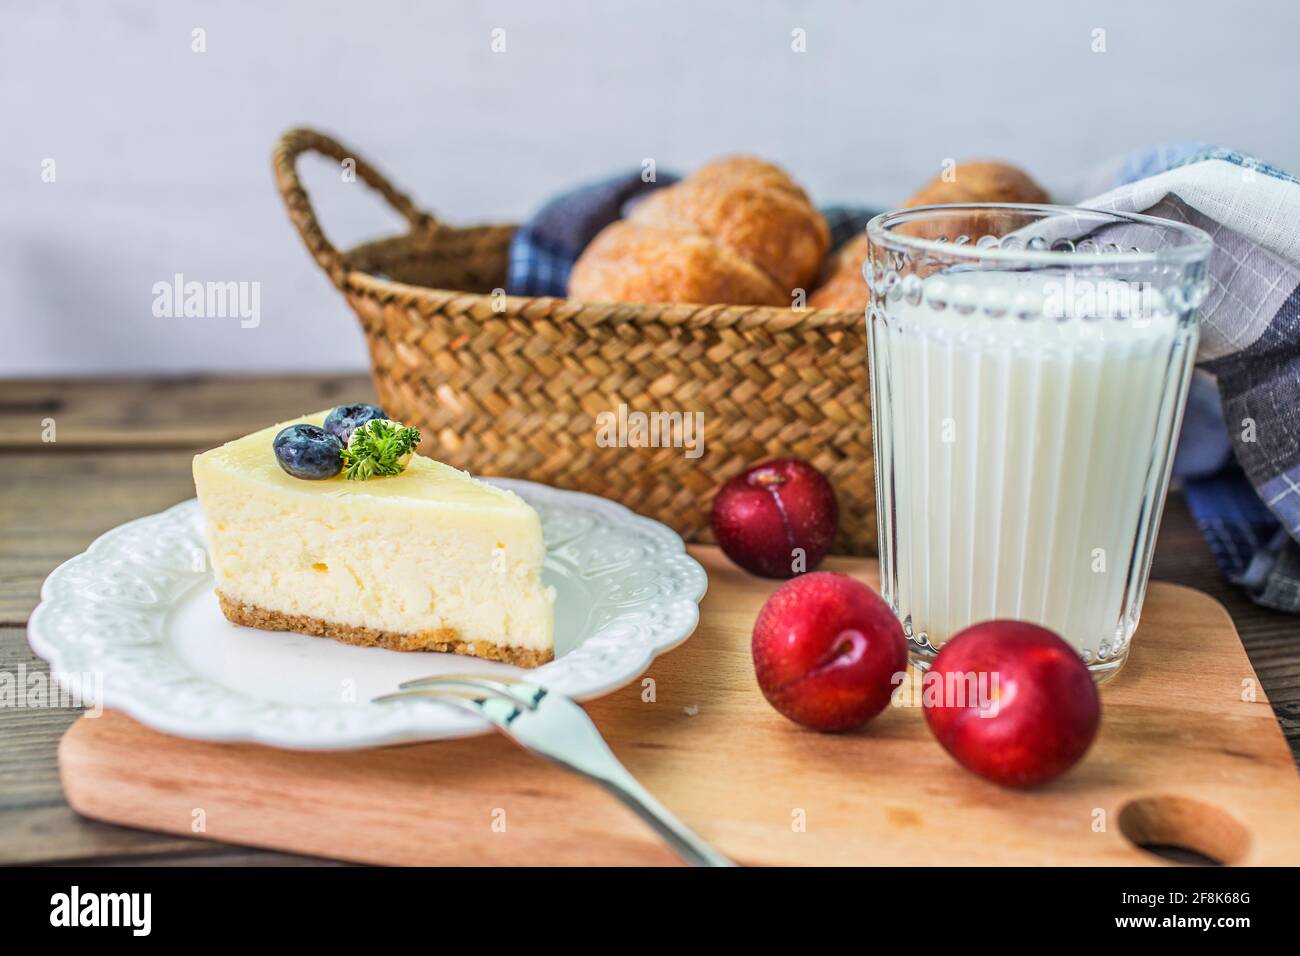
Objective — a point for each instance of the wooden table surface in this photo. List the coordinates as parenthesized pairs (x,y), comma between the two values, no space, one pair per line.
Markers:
(122,449)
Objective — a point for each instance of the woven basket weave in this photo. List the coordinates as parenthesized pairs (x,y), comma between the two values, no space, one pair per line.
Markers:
(505,385)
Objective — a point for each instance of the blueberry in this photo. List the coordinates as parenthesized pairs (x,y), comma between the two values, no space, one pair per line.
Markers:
(345,419)
(309,452)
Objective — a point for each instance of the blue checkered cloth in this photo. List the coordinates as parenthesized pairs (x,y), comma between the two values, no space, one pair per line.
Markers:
(1239,452)
(544,249)
(1238,456)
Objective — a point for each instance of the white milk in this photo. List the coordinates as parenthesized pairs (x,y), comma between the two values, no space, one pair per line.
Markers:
(1022,462)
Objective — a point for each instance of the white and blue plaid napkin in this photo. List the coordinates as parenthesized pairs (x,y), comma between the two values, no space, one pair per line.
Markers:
(1239,452)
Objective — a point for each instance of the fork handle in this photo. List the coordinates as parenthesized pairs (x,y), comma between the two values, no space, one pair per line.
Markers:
(689,846)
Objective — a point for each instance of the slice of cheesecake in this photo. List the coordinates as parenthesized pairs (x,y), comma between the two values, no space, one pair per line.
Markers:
(426,560)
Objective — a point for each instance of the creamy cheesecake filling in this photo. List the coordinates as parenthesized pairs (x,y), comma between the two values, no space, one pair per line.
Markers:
(434,574)
(430,552)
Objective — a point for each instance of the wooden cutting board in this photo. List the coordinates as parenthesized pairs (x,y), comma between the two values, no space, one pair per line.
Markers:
(1189,754)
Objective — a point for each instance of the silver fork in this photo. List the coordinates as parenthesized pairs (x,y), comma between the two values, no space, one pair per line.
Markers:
(555,727)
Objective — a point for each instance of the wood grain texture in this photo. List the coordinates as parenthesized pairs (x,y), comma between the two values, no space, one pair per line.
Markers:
(1271,638)
(57,503)
(1176,731)
(36,823)
(125,414)
(123,451)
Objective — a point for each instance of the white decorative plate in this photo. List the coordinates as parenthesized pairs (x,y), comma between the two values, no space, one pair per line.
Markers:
(138,611)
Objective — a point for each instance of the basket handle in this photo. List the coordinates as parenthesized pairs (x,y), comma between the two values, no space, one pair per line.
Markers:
(285,159)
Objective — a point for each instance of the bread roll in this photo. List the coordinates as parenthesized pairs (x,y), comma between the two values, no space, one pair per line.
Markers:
(631,262)
(721,173)
(738,231)
(979,181)
(843,286)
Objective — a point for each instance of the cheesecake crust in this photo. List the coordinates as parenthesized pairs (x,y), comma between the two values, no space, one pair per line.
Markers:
(445,639)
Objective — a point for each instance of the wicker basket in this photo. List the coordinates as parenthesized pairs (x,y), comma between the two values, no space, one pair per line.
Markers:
(504,385)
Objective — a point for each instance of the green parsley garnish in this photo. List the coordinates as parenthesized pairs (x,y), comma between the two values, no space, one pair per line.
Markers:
(377,448)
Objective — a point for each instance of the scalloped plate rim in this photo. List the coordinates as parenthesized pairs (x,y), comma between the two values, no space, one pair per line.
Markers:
(409,721)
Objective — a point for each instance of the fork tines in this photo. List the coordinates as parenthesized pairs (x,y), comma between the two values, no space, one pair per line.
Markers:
(440,685)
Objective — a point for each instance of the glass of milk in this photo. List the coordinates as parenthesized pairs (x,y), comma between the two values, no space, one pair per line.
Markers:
(1029,367)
